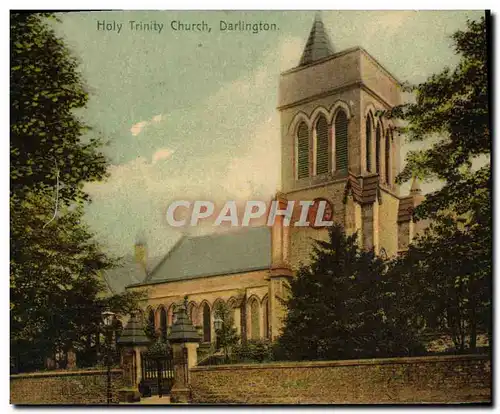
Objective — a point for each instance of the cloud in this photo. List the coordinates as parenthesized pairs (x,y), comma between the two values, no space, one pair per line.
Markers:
(157,118)
(137,128)
(161,154)
(255,174)
(388,22)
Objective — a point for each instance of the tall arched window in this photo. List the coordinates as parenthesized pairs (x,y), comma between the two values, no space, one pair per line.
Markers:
(387,158)
(302,151)
(171,315)
(322,146)
(378,138)
(192,314)
(163,323)
(368,143)
(341,155)
(206,323)
(232,308)
(151,319)
(265,308)
(254,319)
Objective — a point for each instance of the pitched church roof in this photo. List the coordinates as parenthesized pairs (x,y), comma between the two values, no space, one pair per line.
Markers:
(244,250)
(318,44)
(129,272)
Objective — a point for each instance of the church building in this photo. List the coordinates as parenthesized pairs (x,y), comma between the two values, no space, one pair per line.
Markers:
(334,147)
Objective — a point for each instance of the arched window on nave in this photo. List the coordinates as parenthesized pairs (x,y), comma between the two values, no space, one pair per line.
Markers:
(192,314)
(265,309)
(378,141)
(206,323)
(254,319)
(368,143)
(387,158)
(171,315)
(163,323)
(151,318)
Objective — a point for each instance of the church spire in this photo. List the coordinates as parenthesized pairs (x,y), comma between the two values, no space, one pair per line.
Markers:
(318,44)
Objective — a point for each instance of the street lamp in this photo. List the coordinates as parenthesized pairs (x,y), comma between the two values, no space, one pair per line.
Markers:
(218,324)
(383,254)
(108,319)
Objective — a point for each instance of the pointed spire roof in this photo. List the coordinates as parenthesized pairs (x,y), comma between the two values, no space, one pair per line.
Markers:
(183,329)
(318,44)
(133,333)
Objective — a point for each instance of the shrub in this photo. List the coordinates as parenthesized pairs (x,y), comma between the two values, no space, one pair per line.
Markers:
(254,350)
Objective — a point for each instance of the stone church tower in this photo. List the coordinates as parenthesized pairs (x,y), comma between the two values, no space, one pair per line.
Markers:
(335,146)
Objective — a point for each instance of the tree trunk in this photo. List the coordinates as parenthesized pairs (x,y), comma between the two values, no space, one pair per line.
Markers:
(473,328)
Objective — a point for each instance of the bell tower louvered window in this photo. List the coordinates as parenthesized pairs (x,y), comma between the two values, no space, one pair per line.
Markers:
(378,138)
(322,146)
(368,143)
(341,155)
(387,157)
(302,151)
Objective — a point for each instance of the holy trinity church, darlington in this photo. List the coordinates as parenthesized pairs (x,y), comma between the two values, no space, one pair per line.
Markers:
(334,147)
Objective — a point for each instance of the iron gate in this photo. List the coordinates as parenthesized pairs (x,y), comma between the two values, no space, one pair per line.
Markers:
(157,375)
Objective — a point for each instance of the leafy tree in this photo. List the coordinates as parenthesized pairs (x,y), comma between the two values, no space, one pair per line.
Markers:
(227,335)
(341,306)
(453,260)
(451,112)
(452,273)
(46,143)
(57,293)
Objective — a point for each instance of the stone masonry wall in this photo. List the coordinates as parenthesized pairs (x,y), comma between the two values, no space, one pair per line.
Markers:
(64,387)
(441,379)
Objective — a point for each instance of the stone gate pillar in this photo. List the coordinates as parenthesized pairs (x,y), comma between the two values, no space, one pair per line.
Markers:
(185,340)
(133,342)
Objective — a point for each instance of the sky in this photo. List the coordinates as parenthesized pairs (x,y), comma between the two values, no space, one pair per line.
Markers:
(192,115)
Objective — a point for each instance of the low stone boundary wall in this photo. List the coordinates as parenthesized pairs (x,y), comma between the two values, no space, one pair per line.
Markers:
(64,387)
(436,379)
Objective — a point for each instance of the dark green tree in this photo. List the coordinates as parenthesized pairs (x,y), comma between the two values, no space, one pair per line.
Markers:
(57,294)
(451,288)
(451,114)
(47,144)
(451,117)
(150,331)
(341,306)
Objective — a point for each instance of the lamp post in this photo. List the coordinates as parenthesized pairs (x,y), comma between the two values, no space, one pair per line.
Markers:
(383,254)
(108,319)
(218,324)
